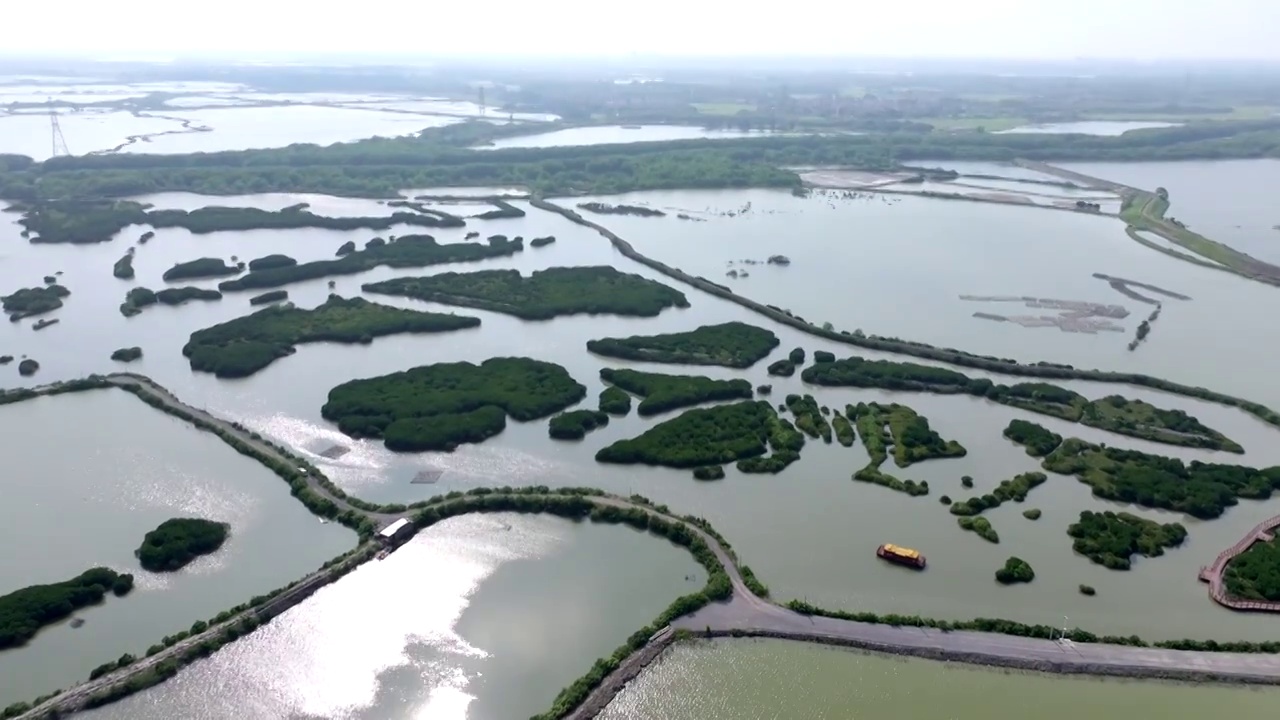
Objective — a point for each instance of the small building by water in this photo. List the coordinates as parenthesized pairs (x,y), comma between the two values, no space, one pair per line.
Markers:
(396,532)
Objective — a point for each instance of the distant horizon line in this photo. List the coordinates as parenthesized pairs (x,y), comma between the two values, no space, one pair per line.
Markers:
(376,57)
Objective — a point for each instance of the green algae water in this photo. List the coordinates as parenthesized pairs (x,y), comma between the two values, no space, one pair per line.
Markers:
(779,679)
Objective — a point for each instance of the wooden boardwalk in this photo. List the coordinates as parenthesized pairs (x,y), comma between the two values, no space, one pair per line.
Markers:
(1212,574)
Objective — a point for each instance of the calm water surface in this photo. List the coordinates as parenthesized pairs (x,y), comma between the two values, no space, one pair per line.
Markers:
(1088,127)
(1224,200)
(778,680)
(893,266)
(86,476)
(479,617)
(814,510)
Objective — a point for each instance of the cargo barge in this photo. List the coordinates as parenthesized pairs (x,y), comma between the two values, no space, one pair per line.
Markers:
(901,556)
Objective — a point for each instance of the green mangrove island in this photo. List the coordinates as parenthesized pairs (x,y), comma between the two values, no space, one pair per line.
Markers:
(268,262)
(269,297)
(1255,573)
(809,417)
(28,367)
(407,251)
(1014,489)
(1111,539)
(92,221)
(544,294)
(123,268)
(245,345)
(662,392)
(742,431)
(575,424)
(1201,490)
(732,344)
(31,301)
(882,426)
(615,401)
(176,542)
(1134,418)
(438,407)
(1015,570)
(979,526)
(23,612)
(128,354)
(200,268)
(140,297)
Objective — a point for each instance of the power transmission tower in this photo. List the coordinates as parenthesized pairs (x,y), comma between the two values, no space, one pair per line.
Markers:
(481,103)
(55,130)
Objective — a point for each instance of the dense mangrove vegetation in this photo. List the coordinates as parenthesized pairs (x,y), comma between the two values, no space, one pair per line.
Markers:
(23,612)
(380,167)
(662,392)
(128,354)
(909,432)
(1037,439)
(268,262)
(201,268)
(28,367)
(1202,490)
(269,297)
(575,424)
(97,220)
(544,294)
(438,407)
(1111,539)
(1255,573)
(123,268)
(178,541)
(615,401)
(245,345)
(140,297)
(1134,418)
(731,344)
(809,417)
(31,301)
(407,251)
(711,436)
(1015,570)
(979,526)
(1014,489)
(607,209)
(881,426)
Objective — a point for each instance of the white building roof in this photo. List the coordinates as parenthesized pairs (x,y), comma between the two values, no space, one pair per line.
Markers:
(395,527)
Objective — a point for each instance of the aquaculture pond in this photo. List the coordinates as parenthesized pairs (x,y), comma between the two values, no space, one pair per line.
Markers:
(86,476)
(718,680)
(851,262)
(483,617)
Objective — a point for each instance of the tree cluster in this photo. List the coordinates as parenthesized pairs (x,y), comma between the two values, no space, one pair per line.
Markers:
(1202,490)
(178,541)
(663,392)
(1111,539)
(199,269)
(247,344)
(542,295)
(731,344)
(436,407)
(23,612)
(575,424)
(31,301)
(408,251)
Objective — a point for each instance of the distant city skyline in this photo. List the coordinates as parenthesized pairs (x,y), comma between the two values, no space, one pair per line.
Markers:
(987,29)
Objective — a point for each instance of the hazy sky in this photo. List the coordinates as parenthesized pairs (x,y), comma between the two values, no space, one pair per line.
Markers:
(1142,29)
